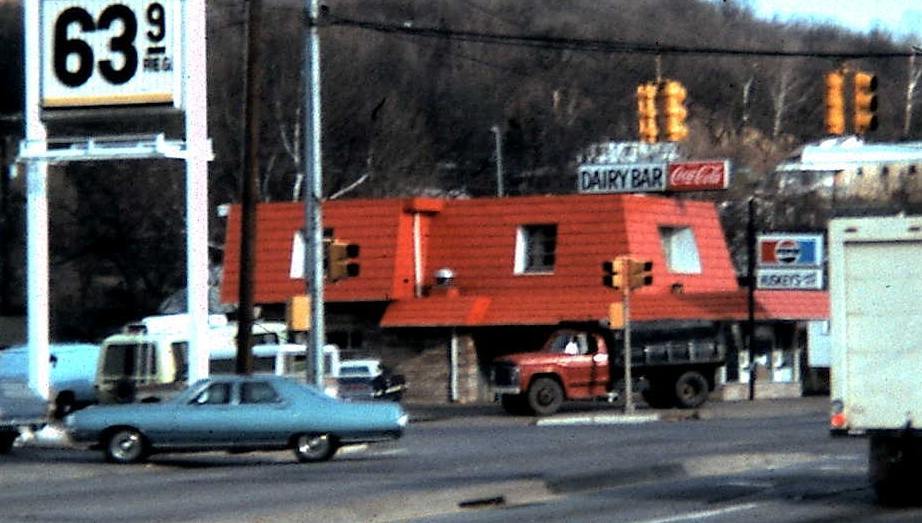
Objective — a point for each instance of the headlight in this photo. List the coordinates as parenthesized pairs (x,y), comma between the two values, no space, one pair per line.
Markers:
(403,420)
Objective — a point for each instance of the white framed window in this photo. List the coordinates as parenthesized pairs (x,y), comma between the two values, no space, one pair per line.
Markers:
(680,250)
(535,249)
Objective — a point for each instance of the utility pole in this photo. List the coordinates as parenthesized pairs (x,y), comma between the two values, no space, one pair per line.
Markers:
(249,188)
(313,193)
(5,243)
(751,289)
(498,132)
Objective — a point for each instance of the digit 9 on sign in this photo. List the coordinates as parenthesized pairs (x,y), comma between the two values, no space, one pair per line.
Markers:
(74,57)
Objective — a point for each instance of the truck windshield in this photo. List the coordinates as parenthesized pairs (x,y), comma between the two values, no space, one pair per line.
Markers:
(130,359)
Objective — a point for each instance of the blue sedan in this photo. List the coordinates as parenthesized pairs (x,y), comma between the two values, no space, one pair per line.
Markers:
(236,413)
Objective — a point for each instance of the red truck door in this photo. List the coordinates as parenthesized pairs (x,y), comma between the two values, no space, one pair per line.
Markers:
(584,367)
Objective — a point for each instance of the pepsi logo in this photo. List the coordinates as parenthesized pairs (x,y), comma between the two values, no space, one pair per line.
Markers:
(787,251)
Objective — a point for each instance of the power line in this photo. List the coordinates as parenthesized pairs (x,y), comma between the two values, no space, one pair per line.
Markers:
(599,45)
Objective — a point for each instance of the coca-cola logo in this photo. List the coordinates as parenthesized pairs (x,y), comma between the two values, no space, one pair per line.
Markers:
(697,176)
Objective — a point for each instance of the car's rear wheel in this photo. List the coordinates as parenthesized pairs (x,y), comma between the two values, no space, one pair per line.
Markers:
(311,448)
(125,445)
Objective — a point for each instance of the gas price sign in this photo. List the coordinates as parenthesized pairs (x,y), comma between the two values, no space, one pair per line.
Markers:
(110,52)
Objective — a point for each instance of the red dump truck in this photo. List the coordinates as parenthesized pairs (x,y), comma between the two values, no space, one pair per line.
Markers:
(674,363)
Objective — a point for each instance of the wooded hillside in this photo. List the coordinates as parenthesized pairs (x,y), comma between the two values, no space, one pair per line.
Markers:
(411,92)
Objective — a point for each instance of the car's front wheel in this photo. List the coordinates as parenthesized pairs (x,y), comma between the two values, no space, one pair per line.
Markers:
(311,448)
(125,445)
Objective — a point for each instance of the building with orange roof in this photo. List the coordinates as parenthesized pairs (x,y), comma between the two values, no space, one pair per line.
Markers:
(520,267)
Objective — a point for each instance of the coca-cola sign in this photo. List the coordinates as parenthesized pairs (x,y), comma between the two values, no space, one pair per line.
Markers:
(709,175)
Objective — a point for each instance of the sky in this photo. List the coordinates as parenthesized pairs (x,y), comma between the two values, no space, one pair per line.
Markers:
(899,17)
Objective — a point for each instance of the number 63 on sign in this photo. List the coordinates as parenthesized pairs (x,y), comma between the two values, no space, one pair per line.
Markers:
(110,52)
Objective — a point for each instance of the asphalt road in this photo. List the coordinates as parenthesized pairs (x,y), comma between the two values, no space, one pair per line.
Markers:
(771,461)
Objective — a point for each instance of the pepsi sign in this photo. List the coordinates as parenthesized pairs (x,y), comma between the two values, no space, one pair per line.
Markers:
(790,250)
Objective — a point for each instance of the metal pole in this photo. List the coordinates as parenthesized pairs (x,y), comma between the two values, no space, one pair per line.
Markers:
(5,243)
(497,131)
(313,192)
(37,285)
(249,189)
(750,295)
(195,105)
(628,385)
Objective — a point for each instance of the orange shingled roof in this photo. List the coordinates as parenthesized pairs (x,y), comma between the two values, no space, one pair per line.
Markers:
(476,238)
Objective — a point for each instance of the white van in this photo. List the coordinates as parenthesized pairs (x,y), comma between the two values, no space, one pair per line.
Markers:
(149,359)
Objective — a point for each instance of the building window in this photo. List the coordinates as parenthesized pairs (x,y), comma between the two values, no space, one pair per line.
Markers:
(680,250)
(535,249)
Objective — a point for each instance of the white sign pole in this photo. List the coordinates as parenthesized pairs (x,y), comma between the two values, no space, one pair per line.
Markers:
(195,104)
(36,209)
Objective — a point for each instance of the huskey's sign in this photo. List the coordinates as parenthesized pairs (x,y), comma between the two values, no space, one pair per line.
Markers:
(710,175)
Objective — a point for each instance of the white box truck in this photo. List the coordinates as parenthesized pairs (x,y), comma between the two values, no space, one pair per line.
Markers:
(875,284)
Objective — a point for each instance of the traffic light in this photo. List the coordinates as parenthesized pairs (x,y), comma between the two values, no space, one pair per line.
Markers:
(865,117)
(674,110)
(341,260)
(835,103)
(639,273)
(613,273)
(646,112)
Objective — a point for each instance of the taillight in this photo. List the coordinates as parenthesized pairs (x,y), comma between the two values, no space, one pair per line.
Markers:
(837,419)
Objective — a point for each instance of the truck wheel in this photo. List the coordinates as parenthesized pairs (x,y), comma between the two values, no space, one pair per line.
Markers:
(892,468)
(545,396)
(691,390)
(514,404)
(64,404)
(6,441)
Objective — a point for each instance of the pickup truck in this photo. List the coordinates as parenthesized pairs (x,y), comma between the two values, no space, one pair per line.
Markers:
(19,407)
(675,366)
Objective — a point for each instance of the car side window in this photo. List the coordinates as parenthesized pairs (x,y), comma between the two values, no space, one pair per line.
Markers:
(258,392)
(215,394)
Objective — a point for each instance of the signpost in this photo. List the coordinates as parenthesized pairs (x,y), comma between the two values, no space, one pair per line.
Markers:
(96,53)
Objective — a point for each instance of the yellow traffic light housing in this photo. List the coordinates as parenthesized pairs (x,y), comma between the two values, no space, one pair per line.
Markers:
(646,112)
(614,273)
(835,103)
(640,273)
(674,111)
(865,117)
(340,257)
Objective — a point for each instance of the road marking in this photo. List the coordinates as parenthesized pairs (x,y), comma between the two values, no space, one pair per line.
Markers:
(600,419)
(695,516)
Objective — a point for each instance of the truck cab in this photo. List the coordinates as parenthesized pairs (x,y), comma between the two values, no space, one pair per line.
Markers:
(677,368)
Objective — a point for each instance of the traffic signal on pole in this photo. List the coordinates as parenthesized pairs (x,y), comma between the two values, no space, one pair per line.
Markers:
(646,112)
(341,261)
(835,103)
(674,111)
(614,273)
(639,273)
(865,117)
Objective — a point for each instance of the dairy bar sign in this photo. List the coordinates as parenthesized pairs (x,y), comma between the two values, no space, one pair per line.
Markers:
(710,175)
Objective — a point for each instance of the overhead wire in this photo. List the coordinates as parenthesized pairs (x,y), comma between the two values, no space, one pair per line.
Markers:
(599,45)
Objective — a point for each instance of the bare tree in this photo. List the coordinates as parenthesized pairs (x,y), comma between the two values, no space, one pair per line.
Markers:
(786,93)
